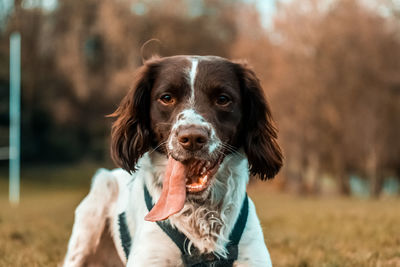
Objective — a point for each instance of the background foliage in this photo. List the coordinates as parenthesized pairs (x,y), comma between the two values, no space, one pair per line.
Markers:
(330,69)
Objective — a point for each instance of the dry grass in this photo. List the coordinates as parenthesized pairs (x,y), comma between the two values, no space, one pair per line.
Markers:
(329,231)
(298,231)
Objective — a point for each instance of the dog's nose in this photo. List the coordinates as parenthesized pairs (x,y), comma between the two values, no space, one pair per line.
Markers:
(193,139)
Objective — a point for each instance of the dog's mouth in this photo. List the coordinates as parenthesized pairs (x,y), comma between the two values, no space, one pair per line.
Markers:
(199,174)
(191,176)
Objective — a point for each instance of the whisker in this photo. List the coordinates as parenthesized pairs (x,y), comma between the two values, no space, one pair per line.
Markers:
(230,146)
(161,144)
(231,149)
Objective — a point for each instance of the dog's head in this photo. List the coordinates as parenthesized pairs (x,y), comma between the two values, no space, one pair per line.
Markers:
(196,110)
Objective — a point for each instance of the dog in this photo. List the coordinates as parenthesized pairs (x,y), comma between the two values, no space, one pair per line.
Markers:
(187,137)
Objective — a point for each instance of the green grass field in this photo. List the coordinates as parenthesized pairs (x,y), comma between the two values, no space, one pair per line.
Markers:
(298,231)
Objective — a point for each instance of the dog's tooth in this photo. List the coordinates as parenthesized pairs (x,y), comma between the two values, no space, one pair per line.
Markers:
(203,170)
(200,167)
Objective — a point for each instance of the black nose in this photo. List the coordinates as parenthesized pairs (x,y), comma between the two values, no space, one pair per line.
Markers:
(193,138)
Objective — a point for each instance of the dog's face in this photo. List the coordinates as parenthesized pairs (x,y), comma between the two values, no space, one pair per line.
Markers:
(196,110)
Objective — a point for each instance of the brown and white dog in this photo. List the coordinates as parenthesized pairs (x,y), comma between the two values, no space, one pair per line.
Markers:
(191,130)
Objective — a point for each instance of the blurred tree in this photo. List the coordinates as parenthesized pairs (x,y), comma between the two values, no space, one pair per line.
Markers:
(338,105)
(330,70)
(78,62)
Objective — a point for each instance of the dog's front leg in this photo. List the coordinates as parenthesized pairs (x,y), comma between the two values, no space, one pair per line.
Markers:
(90,219)
(252,249)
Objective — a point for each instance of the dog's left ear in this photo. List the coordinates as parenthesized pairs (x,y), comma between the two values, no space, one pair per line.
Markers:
(259,133)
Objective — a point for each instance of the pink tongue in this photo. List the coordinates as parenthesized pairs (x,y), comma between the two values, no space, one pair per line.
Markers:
(173,193)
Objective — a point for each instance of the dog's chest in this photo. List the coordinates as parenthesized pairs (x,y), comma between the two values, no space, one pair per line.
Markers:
(149,243)
(152,244)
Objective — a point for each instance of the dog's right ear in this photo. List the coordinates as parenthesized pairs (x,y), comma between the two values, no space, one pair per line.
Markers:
(260,135)
(131,134)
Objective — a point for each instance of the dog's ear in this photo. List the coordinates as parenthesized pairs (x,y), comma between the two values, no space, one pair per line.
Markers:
(131,134)
(259,134)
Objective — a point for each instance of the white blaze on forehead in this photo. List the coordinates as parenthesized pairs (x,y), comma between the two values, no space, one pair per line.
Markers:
(192,78)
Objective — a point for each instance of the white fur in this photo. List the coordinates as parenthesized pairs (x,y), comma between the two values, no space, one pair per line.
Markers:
(192,78)
(91,216)
(207,226)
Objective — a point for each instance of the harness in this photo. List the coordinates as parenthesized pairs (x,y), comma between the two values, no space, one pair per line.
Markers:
(191,257)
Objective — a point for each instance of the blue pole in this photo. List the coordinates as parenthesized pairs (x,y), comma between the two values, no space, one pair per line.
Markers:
(15,116)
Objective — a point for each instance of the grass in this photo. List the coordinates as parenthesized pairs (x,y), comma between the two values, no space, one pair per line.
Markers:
(331,231)
(299,231)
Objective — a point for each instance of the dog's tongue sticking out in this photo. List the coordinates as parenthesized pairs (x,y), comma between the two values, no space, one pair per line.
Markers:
(173,193)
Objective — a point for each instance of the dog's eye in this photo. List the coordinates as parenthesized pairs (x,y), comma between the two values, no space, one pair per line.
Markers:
(223,100)
(167,99)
